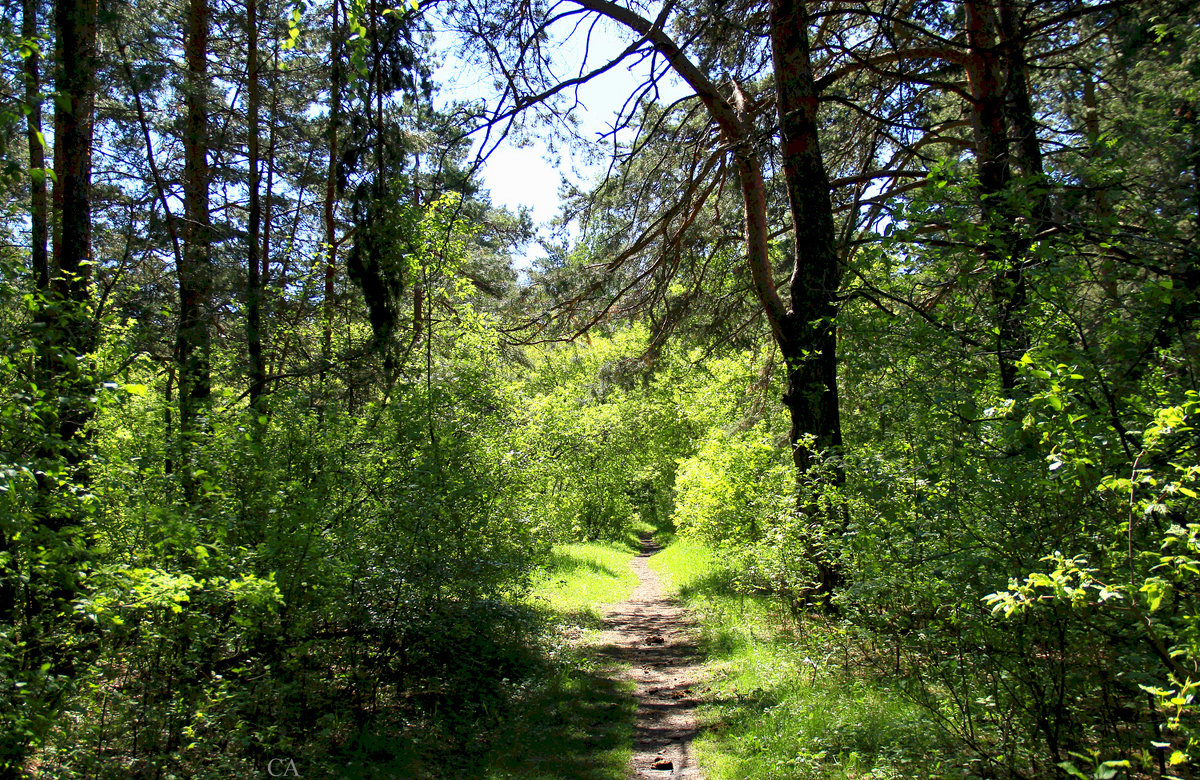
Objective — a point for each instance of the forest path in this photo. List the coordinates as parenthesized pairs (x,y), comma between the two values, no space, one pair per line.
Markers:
(651,633)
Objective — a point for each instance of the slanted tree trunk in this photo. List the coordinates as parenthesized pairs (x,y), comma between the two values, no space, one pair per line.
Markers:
(193,343)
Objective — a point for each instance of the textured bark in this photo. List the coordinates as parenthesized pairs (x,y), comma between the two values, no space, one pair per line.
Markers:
(1019,107)
(193,338)
(810,337)
(809,343)
(999,252)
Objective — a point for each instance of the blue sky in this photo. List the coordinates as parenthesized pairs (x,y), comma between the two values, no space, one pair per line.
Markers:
(525,175)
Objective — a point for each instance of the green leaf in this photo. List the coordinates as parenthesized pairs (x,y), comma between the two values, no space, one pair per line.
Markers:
(1156,591)
(1072,770)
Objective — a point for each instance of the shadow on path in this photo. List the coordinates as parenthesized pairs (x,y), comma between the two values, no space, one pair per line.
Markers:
(650,633)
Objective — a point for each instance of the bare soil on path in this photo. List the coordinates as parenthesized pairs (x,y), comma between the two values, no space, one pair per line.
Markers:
(651,633)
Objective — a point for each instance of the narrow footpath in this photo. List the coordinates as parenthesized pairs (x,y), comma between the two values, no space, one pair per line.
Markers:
(651,633)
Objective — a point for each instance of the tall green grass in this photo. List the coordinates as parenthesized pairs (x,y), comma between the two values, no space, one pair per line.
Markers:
(580,577)
(783,701)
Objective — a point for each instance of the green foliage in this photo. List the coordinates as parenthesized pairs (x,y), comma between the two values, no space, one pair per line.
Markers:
(602,433)
(730,491)
(783,701)
(1137,578)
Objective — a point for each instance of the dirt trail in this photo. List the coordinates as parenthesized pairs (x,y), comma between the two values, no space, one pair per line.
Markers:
(651,633)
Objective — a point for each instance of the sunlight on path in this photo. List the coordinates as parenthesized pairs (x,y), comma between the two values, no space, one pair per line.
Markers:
(650,632)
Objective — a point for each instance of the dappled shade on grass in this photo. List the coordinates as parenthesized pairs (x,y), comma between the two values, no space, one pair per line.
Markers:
(574,721)
(580,576)
(780,705)
(577,725)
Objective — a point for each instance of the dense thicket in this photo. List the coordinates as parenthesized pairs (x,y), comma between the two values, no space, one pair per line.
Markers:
(285,432)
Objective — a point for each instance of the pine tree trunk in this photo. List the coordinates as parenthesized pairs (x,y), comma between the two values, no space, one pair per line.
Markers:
(49,639)
(254,348)
(193,338)
(808,342)
(332,186)
(999,252)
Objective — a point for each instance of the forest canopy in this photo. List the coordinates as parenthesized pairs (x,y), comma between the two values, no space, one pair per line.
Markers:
(893,311)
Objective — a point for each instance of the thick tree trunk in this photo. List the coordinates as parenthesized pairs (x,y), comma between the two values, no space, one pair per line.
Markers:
(809,338)
(999,252)
(49,638)
(69,334)
(193,338)
(809,330)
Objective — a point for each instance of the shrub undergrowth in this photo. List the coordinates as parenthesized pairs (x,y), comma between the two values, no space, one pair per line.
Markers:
(786,699)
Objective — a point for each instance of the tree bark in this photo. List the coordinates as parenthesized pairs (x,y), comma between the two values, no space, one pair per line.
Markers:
(999,251)
(806,331)
(193,339)
(258,375)
(809,343)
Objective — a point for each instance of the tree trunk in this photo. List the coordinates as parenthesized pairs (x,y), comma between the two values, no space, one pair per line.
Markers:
(39,265)
(999,252)
(50,639)
(805,332)
(809,329)
(258,377)
(332,185)
(193,339)
(38,207)
(809,339)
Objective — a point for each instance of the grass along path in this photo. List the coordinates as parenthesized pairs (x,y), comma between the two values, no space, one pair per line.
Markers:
(787,701)
(575,719)
(650,637)
(616,699)
(779,701)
